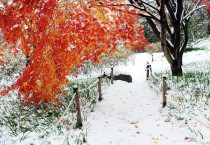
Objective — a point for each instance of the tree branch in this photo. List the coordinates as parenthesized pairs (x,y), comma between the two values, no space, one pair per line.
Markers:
(170,10)
(152,15)
(145,3)
(166,51)
(187,16)
(186,36)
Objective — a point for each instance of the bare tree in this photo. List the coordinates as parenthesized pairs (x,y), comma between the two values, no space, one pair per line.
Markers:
(169,21)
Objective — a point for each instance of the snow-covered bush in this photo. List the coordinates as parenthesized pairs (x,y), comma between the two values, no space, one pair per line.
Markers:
(11,64)
(11,67)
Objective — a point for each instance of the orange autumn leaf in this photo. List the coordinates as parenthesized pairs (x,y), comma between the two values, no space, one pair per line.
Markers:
(59,35)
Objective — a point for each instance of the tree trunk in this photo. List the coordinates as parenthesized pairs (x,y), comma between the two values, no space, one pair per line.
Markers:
(176,68)
(163,32)
(27,60)
(172,42)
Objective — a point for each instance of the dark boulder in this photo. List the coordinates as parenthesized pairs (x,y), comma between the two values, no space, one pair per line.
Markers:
(122,77)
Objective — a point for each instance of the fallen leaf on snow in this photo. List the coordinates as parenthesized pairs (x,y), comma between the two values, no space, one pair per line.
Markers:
(155,142)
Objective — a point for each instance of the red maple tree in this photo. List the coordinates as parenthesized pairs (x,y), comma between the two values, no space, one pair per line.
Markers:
(57,36)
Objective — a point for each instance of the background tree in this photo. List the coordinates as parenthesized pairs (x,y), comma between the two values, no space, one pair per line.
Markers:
(57,36)
(168,19)
(174,19)
(198,26)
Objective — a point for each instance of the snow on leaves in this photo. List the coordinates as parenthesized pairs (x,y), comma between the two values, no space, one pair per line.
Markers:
(59,35)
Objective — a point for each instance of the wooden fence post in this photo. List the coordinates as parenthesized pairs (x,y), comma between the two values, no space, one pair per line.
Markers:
(150,68)
(99,89)
(79,118)
(147,77)
(164,91)
(112,75)
(149,71)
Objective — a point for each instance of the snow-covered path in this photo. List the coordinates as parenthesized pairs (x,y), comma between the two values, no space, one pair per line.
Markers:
(130,114)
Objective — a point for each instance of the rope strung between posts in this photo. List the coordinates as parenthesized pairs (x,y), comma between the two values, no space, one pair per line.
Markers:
(65,112)
(59,121)
(92,85)
(181,110)
(156,77)
(176,91)
(188,114)
(169,82)
(68,132)
(153,86)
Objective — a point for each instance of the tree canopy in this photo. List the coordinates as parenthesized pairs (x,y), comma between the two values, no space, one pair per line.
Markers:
(56,36)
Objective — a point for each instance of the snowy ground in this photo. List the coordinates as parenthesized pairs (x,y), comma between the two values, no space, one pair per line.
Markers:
(131,113)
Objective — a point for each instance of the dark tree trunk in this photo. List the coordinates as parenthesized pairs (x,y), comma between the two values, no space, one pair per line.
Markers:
(176,63)
(176,68)
(27,60)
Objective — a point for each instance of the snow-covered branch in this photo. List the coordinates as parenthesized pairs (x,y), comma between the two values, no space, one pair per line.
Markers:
(150,6)
(192,11)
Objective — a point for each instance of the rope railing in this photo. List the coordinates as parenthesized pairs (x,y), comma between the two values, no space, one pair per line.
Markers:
(66,136)
(184,110)
(164,87)
(59,121)
(175,90)
(156,77)
(155,88)
(92,85)
(149,73)
(172,88)
(76,98)
(181,110)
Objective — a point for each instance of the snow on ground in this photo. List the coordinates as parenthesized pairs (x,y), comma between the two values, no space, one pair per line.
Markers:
(131,114)
(203,43)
